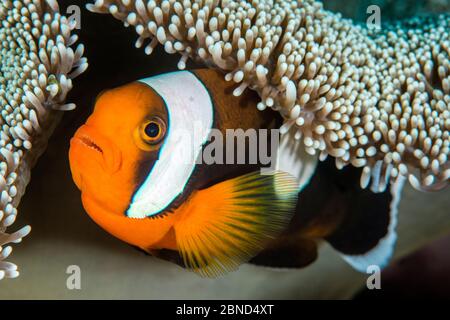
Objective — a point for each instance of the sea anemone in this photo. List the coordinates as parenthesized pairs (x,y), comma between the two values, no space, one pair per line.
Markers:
(378,100)
(37,65)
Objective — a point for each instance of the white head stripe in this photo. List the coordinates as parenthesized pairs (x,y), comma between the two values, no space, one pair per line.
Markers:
(190,111)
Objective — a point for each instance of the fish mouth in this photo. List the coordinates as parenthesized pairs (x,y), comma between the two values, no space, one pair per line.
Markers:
(88,143)
(91,144)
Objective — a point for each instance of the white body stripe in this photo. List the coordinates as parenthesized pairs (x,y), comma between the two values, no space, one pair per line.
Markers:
(190,111)
(293,159)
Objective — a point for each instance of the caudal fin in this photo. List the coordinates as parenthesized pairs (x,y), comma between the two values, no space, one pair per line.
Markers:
(367,234)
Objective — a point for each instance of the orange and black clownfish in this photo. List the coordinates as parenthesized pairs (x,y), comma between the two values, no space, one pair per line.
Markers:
(133,162)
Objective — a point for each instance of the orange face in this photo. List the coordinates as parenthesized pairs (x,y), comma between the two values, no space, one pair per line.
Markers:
(111,155)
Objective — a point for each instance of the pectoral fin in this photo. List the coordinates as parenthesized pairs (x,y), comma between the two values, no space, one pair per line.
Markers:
(229,223)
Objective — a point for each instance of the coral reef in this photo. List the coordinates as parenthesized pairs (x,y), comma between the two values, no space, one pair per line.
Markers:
(37,65)
(376,100)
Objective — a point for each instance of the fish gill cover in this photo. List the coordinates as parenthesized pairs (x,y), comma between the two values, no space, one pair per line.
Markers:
(37,66)
(378,100)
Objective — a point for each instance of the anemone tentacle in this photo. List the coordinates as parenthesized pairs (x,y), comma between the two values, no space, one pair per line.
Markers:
(376,100)
(37,66)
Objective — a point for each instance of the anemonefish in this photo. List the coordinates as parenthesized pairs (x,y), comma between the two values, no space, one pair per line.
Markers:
(135,162)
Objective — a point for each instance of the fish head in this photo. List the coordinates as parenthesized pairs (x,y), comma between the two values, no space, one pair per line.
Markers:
(112,153)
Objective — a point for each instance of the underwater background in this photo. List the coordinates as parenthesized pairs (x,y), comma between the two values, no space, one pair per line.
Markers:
(63,234)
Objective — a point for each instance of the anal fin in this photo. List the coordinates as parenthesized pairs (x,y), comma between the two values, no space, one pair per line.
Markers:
(287,252)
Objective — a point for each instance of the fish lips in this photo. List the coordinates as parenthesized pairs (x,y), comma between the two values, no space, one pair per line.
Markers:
(93,145)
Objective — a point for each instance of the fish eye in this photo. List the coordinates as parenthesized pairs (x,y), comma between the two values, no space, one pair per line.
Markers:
(153,130)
